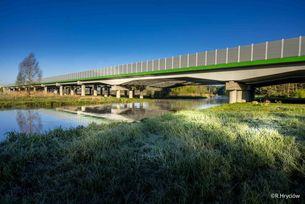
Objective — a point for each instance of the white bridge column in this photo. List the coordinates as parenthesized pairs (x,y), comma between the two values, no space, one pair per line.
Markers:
(60,90)
(45,89)
(118,94)
(95,90)
(105,91)
(83,90)
(141,95)
(232,96)
(72,91)
(130,94)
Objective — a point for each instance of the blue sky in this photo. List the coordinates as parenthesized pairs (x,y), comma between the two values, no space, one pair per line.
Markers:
(69,36)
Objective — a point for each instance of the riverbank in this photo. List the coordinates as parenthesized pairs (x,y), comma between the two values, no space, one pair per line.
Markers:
(281,99)
(24,100)
(230,153)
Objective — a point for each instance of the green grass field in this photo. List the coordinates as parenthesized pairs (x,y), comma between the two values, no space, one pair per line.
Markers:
(226,154)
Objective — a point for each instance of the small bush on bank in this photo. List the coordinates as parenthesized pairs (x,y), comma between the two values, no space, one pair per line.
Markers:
(300,94)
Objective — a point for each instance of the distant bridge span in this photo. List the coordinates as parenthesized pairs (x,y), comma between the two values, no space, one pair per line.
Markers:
(241,69)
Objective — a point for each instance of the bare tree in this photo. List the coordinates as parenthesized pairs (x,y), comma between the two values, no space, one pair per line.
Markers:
(29,71)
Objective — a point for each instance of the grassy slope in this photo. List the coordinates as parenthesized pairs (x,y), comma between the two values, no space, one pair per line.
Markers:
(50,101)
(239,152)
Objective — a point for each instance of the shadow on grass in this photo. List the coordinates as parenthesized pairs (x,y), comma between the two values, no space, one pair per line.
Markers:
(189,157)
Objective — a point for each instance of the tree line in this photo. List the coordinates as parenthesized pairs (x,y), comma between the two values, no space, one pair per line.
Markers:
(294,90)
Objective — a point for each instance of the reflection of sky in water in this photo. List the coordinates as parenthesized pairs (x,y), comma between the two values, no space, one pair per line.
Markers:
(41,120)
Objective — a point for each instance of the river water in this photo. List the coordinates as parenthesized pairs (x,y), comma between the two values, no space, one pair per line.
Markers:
(42,120)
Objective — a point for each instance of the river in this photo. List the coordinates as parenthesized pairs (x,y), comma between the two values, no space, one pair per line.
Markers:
(41,120)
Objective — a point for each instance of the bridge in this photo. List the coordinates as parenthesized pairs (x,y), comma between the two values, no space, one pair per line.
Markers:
(241,69)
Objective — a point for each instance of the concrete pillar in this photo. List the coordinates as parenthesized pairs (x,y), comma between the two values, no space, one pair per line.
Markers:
(34,89)
(60,90)
(232,96)
(130,93)
(95,90)
(239,96)
(83,90)
(118,94)
(105,91)
(152,94)
(55,91)
(45,89)
(237,92)
(65,90)
(141,95)
(72,92)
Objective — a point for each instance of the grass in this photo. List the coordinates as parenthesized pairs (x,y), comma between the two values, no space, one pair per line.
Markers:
(226,154)
(23,100)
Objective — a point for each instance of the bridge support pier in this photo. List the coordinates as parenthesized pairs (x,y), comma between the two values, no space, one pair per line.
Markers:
(118,90)
(130,95)
(232,96)
(72,90)
(83,90)
(105,91)
(118,94)
(45,90)
(60,90)
(141,95)
(239,92)
(94,90)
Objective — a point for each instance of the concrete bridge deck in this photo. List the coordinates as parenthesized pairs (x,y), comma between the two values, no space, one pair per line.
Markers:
(241,69)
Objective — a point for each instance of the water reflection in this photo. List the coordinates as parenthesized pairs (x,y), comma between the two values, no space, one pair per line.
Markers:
(42,120)
(29,121)
(137,111)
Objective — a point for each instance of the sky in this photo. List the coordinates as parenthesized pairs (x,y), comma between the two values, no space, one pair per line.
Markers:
(69,36)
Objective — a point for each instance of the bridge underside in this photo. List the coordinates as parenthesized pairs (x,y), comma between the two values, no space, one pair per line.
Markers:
(240,82)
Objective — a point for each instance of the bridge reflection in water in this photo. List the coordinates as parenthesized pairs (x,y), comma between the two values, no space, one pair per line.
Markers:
(42,120)
(130,112)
